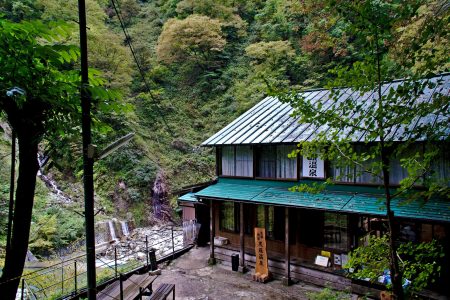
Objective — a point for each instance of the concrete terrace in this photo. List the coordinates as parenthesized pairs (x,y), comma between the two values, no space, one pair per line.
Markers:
(195,280)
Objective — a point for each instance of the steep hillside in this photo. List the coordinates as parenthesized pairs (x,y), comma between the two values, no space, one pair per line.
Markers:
(204,62)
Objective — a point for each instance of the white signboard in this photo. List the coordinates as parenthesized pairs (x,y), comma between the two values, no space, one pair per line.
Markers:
(321,261)
(313,167)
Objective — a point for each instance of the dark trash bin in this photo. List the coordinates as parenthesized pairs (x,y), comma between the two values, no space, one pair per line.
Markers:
(235,262)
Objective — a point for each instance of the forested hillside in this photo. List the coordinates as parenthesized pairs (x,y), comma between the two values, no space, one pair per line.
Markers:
(205,62)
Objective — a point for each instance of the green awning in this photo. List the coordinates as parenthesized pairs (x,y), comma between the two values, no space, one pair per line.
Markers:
(360,200)
(189,197)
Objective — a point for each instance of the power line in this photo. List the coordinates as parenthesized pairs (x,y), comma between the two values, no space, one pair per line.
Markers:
(141,71)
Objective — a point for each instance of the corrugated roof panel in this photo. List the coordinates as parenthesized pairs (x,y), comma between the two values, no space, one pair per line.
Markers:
(333,103)
(312,131)
(237,122)
(246,125)
(231,191)
(399,134)
(287,123)
(261,124)
(444,89)
(433,210)
(335,198)
(279,196)
(295,129)
(265,130)
(293,123)
(189,197)
(366,100)
(367,204)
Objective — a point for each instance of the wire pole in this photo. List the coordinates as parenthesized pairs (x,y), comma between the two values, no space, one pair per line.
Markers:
(88,156)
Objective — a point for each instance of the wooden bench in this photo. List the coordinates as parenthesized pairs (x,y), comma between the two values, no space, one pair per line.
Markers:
(163,291)
(130,289)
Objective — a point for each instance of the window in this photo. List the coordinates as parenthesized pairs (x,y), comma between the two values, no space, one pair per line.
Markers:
(229,216)
(440,167)
(286,167)
(273,162)
(367,177)
(267,162)
(335,231)
(396,171)
(237,161)
(244,161)
(409,232)
(428,232)
(272,219)
(228,163)
(248,218)
(310,227)
(342,173)
(357,174)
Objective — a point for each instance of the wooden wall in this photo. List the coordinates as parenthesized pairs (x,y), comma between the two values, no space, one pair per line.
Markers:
(188,212)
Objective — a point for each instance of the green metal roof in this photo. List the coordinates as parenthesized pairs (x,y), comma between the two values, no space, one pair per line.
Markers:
(271,121)
(349,199)
(189,197)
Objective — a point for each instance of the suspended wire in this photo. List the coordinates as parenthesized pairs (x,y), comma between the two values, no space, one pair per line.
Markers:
(141,71)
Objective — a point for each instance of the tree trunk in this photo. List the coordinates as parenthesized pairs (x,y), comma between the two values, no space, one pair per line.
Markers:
(26,183)
(396,275)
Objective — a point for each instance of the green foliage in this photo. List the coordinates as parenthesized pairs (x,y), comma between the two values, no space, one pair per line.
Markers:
(329,294)
(274,19)
(139,211)
(207,62)
(372,26)
(19,10)
(5,166)
(274,54)
(42,232)
(419,263)
(106,51)
(232,23)
(197,40)
(422,41)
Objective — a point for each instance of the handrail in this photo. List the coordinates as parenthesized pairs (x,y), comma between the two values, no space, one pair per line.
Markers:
(29,291)
(131,265)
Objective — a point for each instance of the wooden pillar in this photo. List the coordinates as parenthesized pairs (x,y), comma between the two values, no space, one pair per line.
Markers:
(287,254)
(242,268)
(212,227)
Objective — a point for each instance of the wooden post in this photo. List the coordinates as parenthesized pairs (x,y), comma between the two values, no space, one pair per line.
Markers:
(212,225)
(287,254)
(121,286)
(23,289)
(173,246)
(115,262)
(75,277)
(242,268)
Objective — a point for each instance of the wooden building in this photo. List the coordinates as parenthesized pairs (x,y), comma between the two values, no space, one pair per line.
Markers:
(254,175)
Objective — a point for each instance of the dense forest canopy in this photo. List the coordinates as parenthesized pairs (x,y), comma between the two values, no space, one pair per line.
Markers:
(205,63)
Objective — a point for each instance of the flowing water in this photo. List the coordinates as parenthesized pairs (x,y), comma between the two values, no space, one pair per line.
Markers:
(112,230)
(49,182)
(125,230)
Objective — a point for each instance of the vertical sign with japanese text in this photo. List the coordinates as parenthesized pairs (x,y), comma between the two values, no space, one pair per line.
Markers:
(260,251)
(313,167)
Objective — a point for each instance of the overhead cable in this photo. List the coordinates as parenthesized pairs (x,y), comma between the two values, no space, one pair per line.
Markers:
(141,71)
